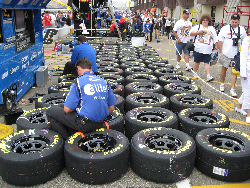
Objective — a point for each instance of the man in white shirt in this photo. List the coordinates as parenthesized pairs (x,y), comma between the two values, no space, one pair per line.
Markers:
(181,32)
(229,41)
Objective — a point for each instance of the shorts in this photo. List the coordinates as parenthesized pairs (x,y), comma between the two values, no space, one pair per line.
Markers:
(224,60)
(200,57)
(181,46)
(147,34)
(158,32)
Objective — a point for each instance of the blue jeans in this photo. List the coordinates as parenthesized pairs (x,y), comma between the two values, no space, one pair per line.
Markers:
(181,46)
(46,28)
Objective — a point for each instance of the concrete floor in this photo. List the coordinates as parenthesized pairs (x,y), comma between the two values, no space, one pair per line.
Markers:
(222,103)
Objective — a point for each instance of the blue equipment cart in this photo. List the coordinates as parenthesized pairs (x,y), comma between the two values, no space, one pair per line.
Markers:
(21,47)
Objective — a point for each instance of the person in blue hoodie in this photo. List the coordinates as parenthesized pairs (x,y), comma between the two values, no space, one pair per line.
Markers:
(147,27)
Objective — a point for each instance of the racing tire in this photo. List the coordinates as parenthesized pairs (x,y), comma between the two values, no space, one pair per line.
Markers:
(223,154)
(31,157)
(148,78)
(33,119)
(143,99)
(120,101)
(53,99)
(193,120)
(130,64)
(162,155)
(167,79)
(98,157)
(110,70)
(163,71)
(177,88)
(137,70)
(67,78)
(147,117)
(136,87)
(113,78)
(117,89)
(182,101)
(156,65)
(60,87)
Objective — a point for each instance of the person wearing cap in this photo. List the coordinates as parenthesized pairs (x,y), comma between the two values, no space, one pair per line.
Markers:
(229,41)
(83,49)
(147,27)
(158,27)
(181,32)
(89,101)
(113,27)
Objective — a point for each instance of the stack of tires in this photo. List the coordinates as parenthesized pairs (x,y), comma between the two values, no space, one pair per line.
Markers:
(162,126)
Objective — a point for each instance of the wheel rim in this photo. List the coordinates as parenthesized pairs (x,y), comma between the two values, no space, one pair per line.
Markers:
(163,142)
(192,100)
(97,143)
(203,117)
(30,144)
(152,116)
(227,141)
(54,100)
(38,117)
(181,88)
(147,99)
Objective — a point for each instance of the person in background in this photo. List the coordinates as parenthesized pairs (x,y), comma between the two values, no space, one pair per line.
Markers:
(244,100)
(46,21)
(228,44)
(89,101)
(181,32)
(206,37)
(158,27)
(113,27)
(151,21)
(163,25)
(53,20)
(168,26)
(83,49)
(147,29)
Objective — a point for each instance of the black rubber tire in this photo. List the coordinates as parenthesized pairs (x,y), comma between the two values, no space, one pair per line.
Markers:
(136,87)
(125,59)
(117,89)
(97,165)
(31,157)
(167,79)
(110,70)
(193,120)
(33,119)
(147,117)
(162,71)
(176,88)
(142,99)
(148,78)
(223,154)
(113,78)
(136,70)
(120,101)
(129,64)
(182,101)
(60,87)
(115,121)
(162,155)
(67,78)
(156,65)
(105,64)
(53,99)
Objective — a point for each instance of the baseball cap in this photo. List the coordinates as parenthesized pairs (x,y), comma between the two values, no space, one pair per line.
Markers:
(185,11)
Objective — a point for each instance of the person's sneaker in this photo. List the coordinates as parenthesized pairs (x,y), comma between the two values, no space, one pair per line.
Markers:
(178,66)
(243,112)
(233,93)
(248,120)
(222,87)
(210,78)
(188,68)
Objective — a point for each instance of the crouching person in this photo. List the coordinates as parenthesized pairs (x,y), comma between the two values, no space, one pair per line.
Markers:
(89,101)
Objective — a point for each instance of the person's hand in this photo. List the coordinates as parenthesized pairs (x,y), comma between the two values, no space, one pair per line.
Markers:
(245,78)
(178,41)
(200,32)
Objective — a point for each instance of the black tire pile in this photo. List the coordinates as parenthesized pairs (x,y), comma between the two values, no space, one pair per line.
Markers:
(162,126)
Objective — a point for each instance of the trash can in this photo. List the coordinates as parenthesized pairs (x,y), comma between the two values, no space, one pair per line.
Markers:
(138,41)
(41,76)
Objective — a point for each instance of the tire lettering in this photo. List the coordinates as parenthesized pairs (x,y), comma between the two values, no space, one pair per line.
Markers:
(151,129)
(113,150)
(72,138)
(20,132)
(56,138)
(3,147)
